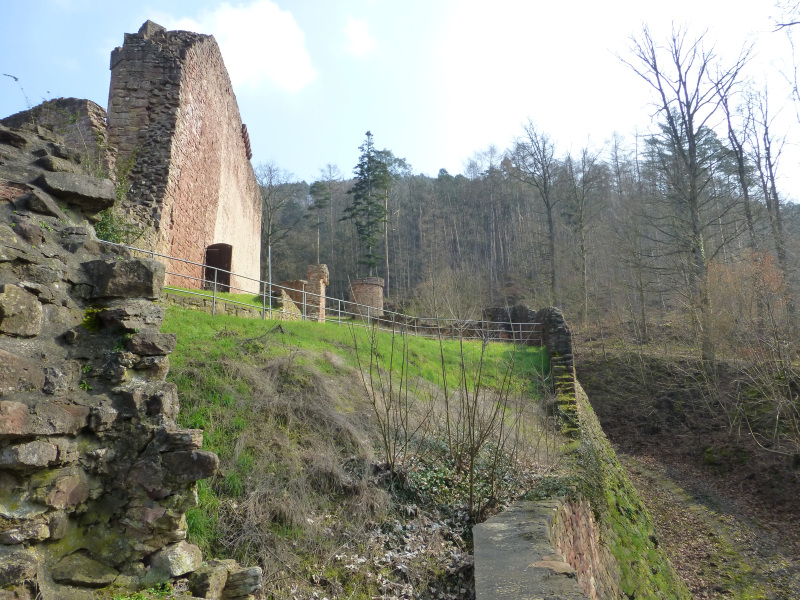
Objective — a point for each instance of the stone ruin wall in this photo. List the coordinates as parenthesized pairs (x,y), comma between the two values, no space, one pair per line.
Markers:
(314,286)
(172,107)
(80,124)
(95,474)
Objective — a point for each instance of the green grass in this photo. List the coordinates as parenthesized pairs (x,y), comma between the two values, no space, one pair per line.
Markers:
(203,336)
(283,406)
(247,299)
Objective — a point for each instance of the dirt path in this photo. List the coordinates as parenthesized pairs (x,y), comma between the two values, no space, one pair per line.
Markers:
(717,549)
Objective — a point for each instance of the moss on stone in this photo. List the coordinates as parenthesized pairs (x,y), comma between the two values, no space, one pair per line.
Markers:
(626,525)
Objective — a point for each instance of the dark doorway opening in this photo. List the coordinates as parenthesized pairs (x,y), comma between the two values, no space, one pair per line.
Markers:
(218,266)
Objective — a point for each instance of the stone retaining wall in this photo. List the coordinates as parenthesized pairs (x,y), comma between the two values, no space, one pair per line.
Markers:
(283,309)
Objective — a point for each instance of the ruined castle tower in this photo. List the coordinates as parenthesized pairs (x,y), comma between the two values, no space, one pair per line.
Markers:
(174,120)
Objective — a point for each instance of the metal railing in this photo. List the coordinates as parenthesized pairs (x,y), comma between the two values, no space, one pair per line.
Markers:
(337,310)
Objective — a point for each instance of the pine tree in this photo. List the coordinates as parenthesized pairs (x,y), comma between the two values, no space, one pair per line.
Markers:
(368,208)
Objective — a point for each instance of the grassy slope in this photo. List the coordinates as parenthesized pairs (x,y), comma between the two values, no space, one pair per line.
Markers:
(298,490)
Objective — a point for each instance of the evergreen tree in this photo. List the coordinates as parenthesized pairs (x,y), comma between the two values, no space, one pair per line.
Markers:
(367,210)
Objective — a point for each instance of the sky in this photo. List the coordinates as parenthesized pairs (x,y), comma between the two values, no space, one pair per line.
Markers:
(435,81)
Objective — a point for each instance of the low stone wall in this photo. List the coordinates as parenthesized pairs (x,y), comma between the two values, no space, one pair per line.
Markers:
(576,538)
(283,309)
(599,535)
(516,558)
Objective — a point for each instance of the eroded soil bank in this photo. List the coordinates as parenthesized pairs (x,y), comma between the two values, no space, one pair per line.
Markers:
(725,510)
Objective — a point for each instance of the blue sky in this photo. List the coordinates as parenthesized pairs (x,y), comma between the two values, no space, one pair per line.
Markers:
(434,80)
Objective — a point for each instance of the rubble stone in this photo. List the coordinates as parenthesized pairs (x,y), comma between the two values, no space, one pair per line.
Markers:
(178,559)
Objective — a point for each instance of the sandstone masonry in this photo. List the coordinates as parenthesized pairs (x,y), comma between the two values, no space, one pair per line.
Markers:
(172,113)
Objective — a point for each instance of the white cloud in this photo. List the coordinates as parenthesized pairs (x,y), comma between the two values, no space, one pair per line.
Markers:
(260,43)
(360,41)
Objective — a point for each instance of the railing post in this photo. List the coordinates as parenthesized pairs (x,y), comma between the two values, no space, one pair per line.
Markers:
(368,316)
(340,311)
(214,295)
(263,301)
(305,302)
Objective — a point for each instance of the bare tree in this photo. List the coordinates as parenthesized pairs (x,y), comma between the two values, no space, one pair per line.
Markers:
(276,193)
(585,176)
(680,74)
(532,161)
(765,150)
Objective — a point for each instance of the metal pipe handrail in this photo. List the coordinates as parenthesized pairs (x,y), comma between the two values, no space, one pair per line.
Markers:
(408,322)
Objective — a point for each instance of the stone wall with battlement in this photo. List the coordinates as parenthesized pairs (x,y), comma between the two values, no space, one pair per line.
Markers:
(172,109)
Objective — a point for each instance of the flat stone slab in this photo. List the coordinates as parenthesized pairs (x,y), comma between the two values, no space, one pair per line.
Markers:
(515,560)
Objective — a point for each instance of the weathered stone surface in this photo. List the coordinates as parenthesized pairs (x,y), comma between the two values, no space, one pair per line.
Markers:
(152,367)
(178,559)
(150,343)
(15,419)
(41,202)
(19,374)
(32,454)
(132,315)
(242,583)
(51,418)
(186,466)
(78,569)
(209,580)
(61,379)
(63,488)
(20,312)
(507,548)
(16,566)
(89,193)
(182,439)
(164,402)
(134,278)
(27,531)
(57,165)
(30,232)
(13,138)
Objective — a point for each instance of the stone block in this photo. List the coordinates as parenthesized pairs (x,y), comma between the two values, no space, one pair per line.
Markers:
(19,374)
(20,312)
(15,419)
(27,531)
(209,580)
(88,193)
(134,278)
(41,202)
(150,343)
(63,488)
(57,165)
(132,315)
(189,466)
(36,454)
(78,569)
(242,583)
(153,367)
(177,559)
(17,566)
(179,440)
(61,379)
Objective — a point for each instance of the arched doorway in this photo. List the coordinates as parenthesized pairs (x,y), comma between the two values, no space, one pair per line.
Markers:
(218,266)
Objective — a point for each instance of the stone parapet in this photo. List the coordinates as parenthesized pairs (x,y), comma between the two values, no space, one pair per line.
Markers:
(283,308)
